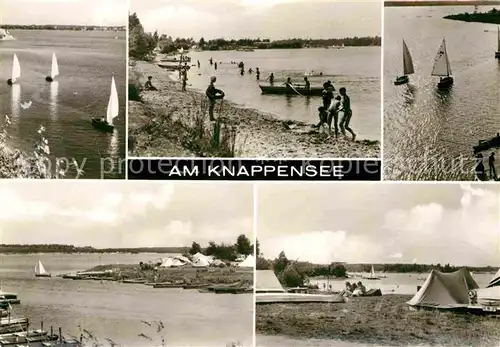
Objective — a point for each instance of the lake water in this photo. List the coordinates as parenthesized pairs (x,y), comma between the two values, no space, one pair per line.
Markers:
(355,68)
(427,132)
(87,61)
(115,310)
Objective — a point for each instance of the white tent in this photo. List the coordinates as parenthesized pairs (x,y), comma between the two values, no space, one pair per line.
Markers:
(267,282)
(201,262)
(167,262)
(248,262)
(183,259)
(177,262)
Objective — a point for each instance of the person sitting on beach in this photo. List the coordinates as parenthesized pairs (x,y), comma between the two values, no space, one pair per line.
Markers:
(345,108)
(149,85)
(257,72)
(333,115)
(308,84)
(270,79)
(213,94)
(360,289)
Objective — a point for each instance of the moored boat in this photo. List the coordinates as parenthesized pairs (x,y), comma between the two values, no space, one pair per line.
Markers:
(284,90)
(10,298)
(442,67)
(484,145)
(5,35)
(13,325)
(106,124)
(40,270)
(372,275)
(174,66)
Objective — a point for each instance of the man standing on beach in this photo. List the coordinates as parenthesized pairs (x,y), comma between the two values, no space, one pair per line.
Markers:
(213,94)
(345,108)
(491,164)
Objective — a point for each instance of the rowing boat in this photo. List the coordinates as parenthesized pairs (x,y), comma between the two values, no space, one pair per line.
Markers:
(484,145)
(296,90)
(174,67)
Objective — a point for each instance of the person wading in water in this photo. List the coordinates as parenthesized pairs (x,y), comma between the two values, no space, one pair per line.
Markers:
(213,94)
(345,108)
(270,79)
(257,72)
(333,114)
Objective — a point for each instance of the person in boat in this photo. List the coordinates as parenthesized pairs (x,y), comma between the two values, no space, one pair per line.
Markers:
(270,79)
(198,64)
(333,115)
(257,72)
(308,84)
(480,171)
(288,82)
(345,108)
(149,84)
(213,94)
(491,164)
(215,66)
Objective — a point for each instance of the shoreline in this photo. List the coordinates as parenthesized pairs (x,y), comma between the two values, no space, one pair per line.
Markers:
(385,320)
(258,135)
(492,18)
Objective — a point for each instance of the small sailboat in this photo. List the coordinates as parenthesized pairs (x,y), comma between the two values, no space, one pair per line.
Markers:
(497,53)
(54,70)
(407,66)
(106,124)
(16,71)
(372,275)
(40,270)
(442,67)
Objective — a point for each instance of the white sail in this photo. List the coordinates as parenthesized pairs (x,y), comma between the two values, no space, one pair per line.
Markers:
(441,64)
(54,71)
(16,69)
(113,105)
(407,61)
(372,274)
(39,269)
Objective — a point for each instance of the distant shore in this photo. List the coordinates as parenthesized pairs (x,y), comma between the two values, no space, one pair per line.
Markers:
(439,3)
(63,27)
(492,17)
(385,321)
(157,126)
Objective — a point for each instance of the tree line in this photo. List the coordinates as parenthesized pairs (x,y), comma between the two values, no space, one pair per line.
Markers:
(492,17)
(63,27)
(228,252)
(56,248)
(144,46)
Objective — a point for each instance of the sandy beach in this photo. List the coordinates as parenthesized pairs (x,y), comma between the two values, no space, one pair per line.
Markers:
(385,320)
(158,126)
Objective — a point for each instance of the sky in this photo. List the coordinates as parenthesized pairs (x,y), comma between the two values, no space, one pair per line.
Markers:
(105,214)
(64,12)
(273,19)
(380,223)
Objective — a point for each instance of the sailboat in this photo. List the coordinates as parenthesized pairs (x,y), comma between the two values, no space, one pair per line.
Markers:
(16,71)
(372,275)
(106,124)
(54,70)
(442,67)
(497,53)
(407,66)
(40,270)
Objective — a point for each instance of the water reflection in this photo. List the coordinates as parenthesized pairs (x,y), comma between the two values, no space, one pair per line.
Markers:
(288,101)
(54,94)
(409,95)
(16,101)
(113,145)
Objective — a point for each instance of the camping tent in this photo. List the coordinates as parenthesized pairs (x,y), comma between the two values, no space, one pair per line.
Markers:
(267,282)
(248,262)
(201,261)
(445,290)
(184,259)
(167,262)
(218,262)
(177,262)
(495,281)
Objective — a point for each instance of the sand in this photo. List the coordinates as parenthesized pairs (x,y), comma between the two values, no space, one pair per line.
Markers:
(385,320)
(258,135)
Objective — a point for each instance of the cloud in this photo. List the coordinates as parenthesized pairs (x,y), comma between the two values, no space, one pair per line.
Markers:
(396,255)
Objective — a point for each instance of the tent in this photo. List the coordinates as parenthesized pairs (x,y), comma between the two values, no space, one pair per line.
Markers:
(445,290)
(184,259)
(167,262)
(177,263)
(267,282)
(201,262)
(248,262)
(218,262)
(495,281)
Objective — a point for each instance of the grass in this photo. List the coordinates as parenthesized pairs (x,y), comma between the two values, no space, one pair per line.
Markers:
(385,320)
(18,164)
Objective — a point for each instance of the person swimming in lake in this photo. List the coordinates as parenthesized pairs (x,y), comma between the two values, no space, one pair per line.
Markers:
(211,61)
(149,84)
(215,66)
(257,72)
(198,64)
(213,94)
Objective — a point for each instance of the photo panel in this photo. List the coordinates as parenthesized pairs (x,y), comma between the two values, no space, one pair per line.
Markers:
(63,94)
(255,80)
(142,264)
(441,95)
(377,264)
